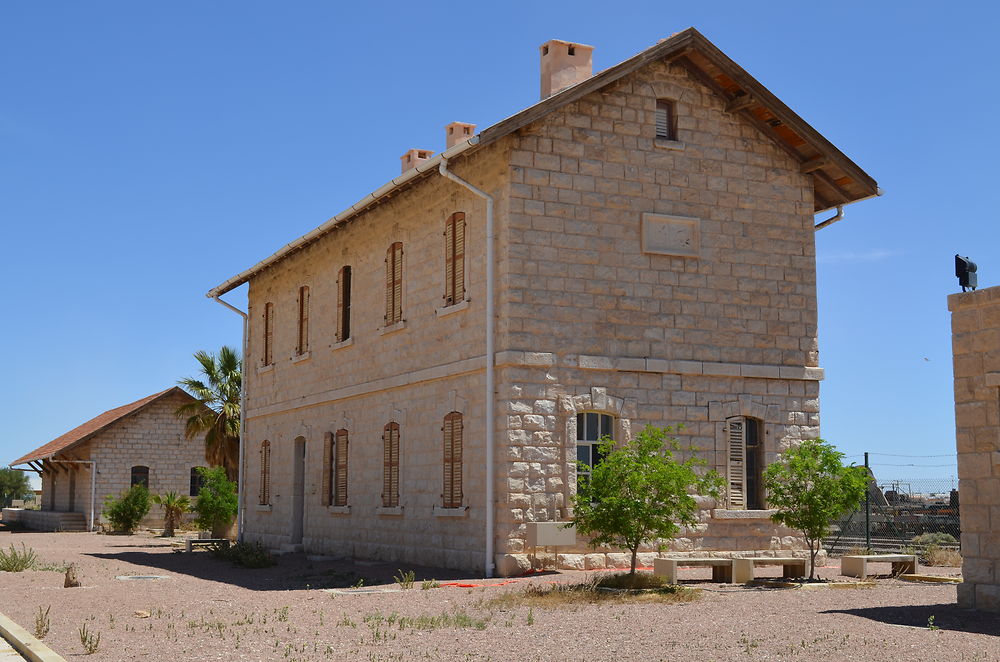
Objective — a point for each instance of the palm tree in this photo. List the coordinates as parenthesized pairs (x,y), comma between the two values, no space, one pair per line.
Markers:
(216,413)
(174,505)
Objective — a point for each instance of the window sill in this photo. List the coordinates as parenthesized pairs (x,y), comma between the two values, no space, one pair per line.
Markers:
(453,308)
(669,144)
(342,344)
(298,358)
(263,508)
(392,328)
(722,513)
(451,512)
(390,510)
(338,510)
(261,369)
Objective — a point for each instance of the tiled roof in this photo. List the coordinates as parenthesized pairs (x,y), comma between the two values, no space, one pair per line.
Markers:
(91,427)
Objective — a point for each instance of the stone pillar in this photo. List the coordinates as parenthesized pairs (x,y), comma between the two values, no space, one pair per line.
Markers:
(975,327)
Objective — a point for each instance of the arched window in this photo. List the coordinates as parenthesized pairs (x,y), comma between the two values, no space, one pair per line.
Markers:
(454,259)
(264,497)
(394,284)
(591,429)
(344,304)
(745,461)
(452,496)
(197,481)
(140,476)
(302,342)
(390,465)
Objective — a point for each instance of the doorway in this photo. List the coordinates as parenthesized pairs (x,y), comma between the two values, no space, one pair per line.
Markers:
(298,489)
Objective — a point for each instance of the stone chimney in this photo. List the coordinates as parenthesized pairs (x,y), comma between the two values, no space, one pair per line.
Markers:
(563,64)
(457,132)
(413,158)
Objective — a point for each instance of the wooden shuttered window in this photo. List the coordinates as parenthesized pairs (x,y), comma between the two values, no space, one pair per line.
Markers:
(666,119)
(394,284)
(390,465)
(268,357)
(454,259)
(340,468)
(452,497)
(344,304)
(326,489)
(302,342)
(264,498)
(736,465)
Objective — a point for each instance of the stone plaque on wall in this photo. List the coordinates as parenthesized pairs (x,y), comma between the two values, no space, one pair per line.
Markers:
(665,234)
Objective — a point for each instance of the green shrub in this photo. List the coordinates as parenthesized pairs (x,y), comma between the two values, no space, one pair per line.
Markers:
(126,511)
(18,561)
(248,555)
(936,538)
(217,501)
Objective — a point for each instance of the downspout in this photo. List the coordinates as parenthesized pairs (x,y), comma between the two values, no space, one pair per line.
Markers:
(490,358)
(240,510)
(93,486)
(840,210)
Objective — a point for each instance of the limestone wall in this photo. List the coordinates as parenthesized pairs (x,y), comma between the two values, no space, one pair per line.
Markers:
(975,325)
(595,317)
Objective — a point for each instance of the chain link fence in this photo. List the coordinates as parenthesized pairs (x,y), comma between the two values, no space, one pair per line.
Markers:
(900,515)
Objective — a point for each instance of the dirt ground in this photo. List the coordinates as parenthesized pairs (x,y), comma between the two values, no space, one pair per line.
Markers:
(207,609)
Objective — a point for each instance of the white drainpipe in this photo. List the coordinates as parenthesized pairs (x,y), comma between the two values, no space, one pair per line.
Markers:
(93,486)
(490,359)
(840,210)
(243,417)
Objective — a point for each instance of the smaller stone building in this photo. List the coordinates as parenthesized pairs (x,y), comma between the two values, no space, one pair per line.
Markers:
(975,327)
(138,442)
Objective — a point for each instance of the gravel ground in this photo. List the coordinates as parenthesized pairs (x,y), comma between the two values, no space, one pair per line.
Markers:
(207,609)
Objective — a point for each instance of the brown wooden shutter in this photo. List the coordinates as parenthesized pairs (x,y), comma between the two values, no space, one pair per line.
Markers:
(454,259)
(736,467)
(459,257)
(452,497)
(326,494)
(302,346)
(268,332)
(666,126)
(340,478)
(265,473)
(344,304)
(394,284)
(390,465)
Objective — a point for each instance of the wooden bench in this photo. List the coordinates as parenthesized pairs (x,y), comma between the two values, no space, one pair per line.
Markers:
(743,569)
(857,565)
(191,543)
(722,569)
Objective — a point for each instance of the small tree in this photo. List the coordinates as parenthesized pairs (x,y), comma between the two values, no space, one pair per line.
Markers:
(14,484)
(217,501)
(126,511)
(174,507)
(640,493)
(810,486)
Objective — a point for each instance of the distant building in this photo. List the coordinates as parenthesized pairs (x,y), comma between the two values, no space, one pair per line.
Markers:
(141,442)
(975,329)
(425,369)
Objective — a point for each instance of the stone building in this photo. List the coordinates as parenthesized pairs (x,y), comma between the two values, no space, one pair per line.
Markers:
(141,442)
(975,327)
(425,368)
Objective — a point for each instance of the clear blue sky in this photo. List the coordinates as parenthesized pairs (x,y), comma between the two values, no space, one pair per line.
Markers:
(148,151)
